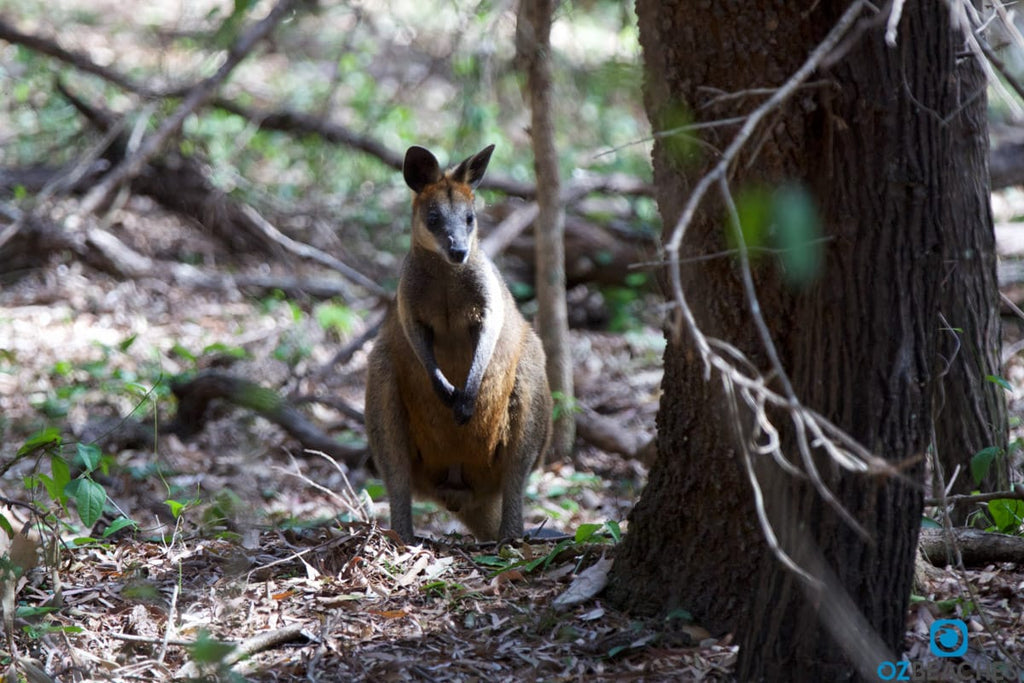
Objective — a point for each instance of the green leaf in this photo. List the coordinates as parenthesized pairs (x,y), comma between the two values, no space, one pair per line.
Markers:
(982,462)
(90,498)
(58,481)
(797,234)
(681,614)
(30,611)
(995,379)
(754,209)
(126,344)
(339,319)
(5,524)
(1007,514)
(207,650)
(585,531)
(681,145)
(222,349)
(44,438)
(182,352)
(375,490)
(175,506)
(89,454)
(614,529)
(117,525)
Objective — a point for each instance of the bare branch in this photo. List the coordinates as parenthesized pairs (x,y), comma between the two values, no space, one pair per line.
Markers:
(78,60)
(134,163)
(967,499)
(311,253)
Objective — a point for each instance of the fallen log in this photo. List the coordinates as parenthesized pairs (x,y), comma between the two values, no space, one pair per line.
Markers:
(977,548)
(195,395)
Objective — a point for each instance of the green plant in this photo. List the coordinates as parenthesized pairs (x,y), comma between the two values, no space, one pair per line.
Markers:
(982,462)
(510,558)
(1007,515)
(564,405)
(210,655)
(90,498)
(336,318)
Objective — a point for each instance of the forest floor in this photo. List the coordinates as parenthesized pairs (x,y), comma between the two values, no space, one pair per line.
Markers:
(272,564)
(254,560)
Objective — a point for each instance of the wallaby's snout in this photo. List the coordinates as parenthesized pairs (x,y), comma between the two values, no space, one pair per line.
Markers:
(457,254)
(451,221)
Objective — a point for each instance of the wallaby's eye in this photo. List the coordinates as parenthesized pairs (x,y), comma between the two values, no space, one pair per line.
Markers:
(469,219)
(433,220)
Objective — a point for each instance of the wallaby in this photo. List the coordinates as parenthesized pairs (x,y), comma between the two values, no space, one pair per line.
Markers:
(457,401)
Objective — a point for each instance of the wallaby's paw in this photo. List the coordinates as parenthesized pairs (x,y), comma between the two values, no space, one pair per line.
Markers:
(443,388)
(464,407)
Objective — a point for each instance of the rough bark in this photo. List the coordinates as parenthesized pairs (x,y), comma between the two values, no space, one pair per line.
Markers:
(860,343)
(971,410)
(534,39)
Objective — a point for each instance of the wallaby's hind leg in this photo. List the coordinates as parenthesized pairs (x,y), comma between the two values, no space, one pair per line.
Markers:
(387,430)
(532,401)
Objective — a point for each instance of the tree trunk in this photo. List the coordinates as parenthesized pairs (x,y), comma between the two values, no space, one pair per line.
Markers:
(868,140)
(971,409)
(534,45)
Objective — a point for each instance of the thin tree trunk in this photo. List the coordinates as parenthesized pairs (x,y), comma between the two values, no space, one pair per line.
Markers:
(534,40)
(971,409)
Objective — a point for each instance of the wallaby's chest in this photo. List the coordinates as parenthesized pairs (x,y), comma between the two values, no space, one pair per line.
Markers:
(452,304)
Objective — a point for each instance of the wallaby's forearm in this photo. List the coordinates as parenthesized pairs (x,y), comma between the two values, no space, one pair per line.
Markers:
(421,339)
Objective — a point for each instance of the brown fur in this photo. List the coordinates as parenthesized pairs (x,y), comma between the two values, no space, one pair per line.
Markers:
(457,401)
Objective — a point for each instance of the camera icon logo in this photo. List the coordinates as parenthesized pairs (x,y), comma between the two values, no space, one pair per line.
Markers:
(948,638)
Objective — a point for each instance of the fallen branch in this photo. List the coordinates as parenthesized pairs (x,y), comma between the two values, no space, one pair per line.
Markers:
(112,255)
(266,640)
(250,646)
(345,353)
(194,397)
(610,436)
(310,253)
(509,229)
(978,548)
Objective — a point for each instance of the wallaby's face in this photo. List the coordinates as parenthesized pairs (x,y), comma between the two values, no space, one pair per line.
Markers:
(443,215)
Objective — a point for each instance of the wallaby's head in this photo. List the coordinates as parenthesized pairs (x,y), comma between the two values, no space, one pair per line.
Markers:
(443,215)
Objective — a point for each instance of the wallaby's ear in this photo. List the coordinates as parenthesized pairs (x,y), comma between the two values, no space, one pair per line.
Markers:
(420,168)
(471,170)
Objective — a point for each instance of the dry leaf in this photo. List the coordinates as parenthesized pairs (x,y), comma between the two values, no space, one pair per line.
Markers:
(586,585)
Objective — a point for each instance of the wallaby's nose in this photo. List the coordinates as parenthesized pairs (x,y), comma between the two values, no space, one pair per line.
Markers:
(457,253)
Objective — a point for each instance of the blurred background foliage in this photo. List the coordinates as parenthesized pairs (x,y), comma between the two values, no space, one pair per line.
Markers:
(441,74)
